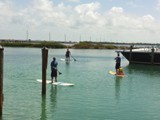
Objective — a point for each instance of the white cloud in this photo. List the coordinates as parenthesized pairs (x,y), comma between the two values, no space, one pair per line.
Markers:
(6,11)
(44,12)
(118,18)
(87,13)
(76,1)
(116,10)
(129,27)
(43,16)
(83,8)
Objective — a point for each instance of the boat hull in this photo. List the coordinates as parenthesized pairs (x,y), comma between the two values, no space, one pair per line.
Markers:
(142,57)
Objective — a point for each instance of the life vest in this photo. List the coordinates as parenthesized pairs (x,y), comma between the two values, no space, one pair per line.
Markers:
(120,71)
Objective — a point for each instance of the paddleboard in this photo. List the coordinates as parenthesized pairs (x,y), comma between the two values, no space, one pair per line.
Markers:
(114,73)
(63,84)
(56,83)
(47,81)
(62,59)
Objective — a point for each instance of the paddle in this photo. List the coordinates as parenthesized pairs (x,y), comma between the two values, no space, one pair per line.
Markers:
(59,72)
(74,58)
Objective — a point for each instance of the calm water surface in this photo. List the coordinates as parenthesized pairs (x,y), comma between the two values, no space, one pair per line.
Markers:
(97,95)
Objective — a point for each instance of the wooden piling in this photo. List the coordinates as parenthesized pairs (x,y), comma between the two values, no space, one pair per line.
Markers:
(44,69)
(130,56)
(1,80)
(152,56)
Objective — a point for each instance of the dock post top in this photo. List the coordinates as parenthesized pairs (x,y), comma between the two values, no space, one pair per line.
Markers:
(44,48)
(1,47)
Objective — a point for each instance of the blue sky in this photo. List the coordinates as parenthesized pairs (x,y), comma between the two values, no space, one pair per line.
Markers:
(98,20)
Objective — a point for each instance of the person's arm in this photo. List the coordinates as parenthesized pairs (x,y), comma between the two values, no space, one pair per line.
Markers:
(51,65)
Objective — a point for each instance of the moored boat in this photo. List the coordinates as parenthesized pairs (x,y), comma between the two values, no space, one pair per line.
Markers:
(142,55)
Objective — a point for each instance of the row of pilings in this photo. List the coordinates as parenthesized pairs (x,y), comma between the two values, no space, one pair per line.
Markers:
(44,69)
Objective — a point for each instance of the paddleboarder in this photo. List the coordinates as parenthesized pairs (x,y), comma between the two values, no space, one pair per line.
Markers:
(118,63)
(54,70)
(68,54)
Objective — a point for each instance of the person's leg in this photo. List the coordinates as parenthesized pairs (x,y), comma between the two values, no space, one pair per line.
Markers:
(56,75)
(116,67)
(52,76)
(52,80)
(56,79)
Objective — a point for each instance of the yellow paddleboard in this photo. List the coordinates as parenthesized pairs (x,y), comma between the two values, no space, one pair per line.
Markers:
(114,73)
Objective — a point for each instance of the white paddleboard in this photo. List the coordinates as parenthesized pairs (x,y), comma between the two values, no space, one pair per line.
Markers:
(63,84)
(47,81)
(57,83)
(62,59)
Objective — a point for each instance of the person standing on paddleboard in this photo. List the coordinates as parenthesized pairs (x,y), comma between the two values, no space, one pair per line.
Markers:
(68,54)
(118,63)
(54,65)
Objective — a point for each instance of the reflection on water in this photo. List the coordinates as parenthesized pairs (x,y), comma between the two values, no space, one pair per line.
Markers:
(1,118)
(53,98)
(43,108)
(117,87)
(143,69)
(53,92)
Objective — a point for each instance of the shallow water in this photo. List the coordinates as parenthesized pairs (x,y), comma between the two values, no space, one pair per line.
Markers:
(96,95)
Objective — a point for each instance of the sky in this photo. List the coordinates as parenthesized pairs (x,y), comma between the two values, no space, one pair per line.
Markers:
(81,20)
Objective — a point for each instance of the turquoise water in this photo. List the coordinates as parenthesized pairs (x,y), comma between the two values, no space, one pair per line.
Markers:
(97,95)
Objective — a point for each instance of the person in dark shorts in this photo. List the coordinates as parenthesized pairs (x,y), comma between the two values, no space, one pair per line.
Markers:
(118,63)
(68,54)
(54,65)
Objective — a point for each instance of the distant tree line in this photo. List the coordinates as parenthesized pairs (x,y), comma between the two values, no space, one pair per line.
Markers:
(36,45)
(48,44)
(93,45)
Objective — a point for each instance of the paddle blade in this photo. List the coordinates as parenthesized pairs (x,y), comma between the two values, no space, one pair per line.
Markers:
(59,73)
(74,58)
(112,73)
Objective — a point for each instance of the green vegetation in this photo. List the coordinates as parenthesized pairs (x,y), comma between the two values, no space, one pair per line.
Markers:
(48,44)
(33,44)
(91,45)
